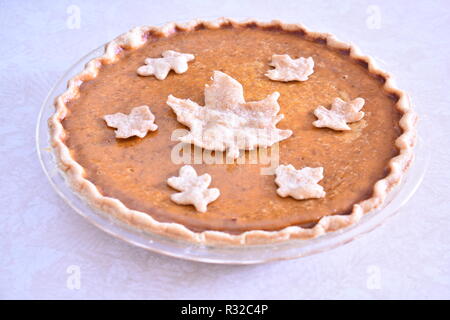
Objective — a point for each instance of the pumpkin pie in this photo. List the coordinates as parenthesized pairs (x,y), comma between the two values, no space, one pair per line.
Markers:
(147,76)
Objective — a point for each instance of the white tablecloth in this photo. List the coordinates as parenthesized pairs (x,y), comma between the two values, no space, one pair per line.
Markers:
(45,246)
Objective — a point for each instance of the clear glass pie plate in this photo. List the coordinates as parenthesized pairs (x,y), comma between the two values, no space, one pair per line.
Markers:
(225,255)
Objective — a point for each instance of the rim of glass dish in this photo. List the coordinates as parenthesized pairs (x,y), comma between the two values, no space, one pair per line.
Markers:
(252,254)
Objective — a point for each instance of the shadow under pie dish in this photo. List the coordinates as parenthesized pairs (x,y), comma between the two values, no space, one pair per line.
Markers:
(127,178)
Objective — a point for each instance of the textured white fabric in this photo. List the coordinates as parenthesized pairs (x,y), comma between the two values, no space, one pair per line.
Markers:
(43,241)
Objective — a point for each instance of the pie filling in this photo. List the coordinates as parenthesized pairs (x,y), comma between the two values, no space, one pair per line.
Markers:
(135,170)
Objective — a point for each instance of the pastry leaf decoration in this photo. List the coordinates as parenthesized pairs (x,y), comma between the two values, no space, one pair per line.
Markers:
(288,69)
(299,184)
(227,122)
(137,123)
(340,114)
(160,67)
(194,189)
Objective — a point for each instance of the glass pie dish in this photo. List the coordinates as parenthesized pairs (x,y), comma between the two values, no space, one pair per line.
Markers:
(248,254)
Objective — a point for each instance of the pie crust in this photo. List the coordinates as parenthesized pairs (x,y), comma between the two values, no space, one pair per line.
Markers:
(136,38)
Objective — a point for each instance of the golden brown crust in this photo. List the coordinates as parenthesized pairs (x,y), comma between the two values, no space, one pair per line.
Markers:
(137,37)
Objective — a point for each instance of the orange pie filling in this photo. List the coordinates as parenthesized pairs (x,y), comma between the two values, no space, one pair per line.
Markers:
(135,170)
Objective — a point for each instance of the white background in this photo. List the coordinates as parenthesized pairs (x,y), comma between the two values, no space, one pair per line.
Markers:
(41,237)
